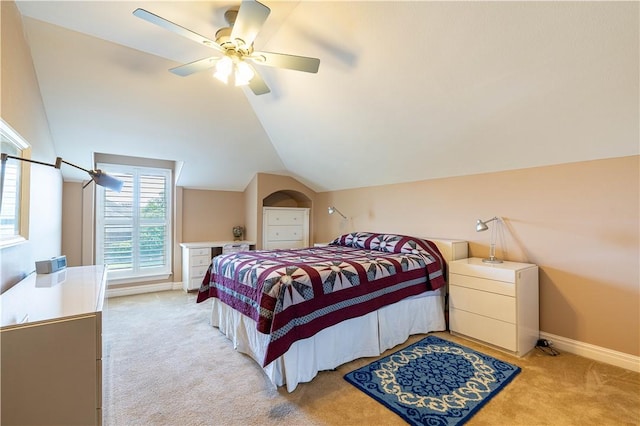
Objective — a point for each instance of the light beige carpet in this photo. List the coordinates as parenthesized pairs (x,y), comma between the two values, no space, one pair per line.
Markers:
(165,365)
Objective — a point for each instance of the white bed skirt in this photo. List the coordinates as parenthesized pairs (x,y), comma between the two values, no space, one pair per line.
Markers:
(364,336)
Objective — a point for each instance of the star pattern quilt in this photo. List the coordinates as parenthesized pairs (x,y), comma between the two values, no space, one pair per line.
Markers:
(293,294)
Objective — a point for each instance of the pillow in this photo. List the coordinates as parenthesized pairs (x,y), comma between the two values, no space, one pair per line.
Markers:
(394,243)
(390,243)
(353,239)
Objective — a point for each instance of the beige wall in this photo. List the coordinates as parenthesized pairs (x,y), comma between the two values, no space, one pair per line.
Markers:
(72,222)
(251,209)
(210,215)
(579,222)
(22,107)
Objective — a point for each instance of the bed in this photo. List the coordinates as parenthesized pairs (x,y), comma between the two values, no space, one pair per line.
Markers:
(300,311)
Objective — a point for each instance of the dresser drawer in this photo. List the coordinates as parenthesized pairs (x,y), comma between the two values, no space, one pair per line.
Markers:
(283,245)
(483,284)
(285,233)
(490,330)
(285,217)
(489,305)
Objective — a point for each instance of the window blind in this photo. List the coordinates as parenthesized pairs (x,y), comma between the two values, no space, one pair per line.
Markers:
(133,226)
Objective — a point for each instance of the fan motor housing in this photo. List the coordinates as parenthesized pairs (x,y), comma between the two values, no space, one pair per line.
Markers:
(231,14)
(223,38)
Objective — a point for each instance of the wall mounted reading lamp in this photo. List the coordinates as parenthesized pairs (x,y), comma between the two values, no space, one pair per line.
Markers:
(333,210)
(97,176)
(481,225)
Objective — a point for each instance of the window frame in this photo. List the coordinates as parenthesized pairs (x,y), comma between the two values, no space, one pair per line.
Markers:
(135,274)
(22,188)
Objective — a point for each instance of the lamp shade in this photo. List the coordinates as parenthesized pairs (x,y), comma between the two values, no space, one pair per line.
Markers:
(481,225)
(103,179)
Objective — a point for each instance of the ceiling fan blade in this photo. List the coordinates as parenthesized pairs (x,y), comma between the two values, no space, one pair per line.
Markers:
(292,62)
(251,17)
(168,25)
(257,84)
(195,66)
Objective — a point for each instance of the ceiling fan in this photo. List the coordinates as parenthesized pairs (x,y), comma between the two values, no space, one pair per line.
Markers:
(235,44)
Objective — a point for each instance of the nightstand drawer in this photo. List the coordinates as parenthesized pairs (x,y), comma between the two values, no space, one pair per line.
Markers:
(489,305)
(483,284)
(495,332)
(474,267)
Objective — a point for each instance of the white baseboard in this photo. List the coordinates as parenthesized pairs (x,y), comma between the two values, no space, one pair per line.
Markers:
(140,289)
(597,353)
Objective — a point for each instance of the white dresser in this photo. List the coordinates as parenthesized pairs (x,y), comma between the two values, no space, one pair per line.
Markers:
(285,227)
(196,258)
(52,348)
(495,303)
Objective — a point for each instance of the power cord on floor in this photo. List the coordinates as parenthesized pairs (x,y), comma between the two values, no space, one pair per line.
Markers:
(545,346)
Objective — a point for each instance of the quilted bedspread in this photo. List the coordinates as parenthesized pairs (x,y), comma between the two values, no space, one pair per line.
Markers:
(293,294)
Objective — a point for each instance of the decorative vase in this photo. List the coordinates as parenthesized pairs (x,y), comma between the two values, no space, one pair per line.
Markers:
(237,233)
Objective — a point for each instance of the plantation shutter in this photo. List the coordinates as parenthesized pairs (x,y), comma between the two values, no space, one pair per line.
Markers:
(133,226)
(9,215)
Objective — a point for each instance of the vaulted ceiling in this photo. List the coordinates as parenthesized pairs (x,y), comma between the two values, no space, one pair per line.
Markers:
(405,91)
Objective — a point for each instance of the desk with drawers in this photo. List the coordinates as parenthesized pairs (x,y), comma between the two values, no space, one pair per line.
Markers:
(196,258)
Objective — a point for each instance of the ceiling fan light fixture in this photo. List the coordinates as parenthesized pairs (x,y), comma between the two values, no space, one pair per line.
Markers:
(223,69)
(235,45)
(231,66)
(243,73)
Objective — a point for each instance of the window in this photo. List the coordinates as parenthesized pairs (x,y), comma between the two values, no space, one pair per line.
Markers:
(133,227)
(14,184)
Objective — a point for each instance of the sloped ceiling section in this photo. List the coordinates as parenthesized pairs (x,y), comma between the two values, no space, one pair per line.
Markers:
(406,90)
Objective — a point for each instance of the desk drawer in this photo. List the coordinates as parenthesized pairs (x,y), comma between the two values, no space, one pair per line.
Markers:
(200,260)
(199,271)
(195,283)
(204,251)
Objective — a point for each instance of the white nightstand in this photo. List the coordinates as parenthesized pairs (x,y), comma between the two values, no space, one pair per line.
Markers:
(495,303)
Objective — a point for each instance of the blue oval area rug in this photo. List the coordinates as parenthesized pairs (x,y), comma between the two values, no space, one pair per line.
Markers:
(434,381)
